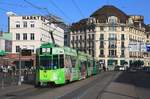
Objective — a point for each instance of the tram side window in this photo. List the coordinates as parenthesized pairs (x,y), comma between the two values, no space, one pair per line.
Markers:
(83,66)
(73,61)
(92,63)
(40,50)
(89,64)
(55,62)
(67,61)
(61,61)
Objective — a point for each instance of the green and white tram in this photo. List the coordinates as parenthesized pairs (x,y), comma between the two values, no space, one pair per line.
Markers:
(59,65)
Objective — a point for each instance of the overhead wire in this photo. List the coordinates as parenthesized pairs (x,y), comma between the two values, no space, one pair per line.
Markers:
(78,8)
(44,9)
(54,4)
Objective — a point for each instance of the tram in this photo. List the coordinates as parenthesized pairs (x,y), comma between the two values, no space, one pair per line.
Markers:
(60,65)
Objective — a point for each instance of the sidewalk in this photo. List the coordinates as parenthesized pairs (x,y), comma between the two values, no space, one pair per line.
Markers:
(11,89)
(119,91)
(128,86)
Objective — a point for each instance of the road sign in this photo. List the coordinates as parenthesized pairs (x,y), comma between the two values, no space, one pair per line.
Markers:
(143,47)
(148,47)
(134,46)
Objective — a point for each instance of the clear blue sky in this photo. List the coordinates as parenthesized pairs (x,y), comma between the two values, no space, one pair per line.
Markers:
(87,7)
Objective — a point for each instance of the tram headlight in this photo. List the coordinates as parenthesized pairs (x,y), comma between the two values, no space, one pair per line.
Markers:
(55,77)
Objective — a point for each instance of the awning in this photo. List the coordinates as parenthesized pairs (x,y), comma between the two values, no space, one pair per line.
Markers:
(2,53)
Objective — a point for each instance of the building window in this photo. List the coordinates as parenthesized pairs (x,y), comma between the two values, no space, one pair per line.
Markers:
(112,19)
(93,36)
(101,36)
(122,37)
(147,35)
(17,36)
(101,44)
(32,25)
(80,37)
(76,37)
(122,45)
(32,48)
(89,36)
(17,48)
(122,52)
(24,36)
(112,36)
(101,28)
(101,52)
(112,44)
(32,36)
(73,38)
(122,28)
(112,28)
(17,24)
(112,52)
(25,24)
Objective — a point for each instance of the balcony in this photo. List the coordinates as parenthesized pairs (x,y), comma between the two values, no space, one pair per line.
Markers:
(122,56)
(101,55)
(123,46)
(131,56)
(112,56)
(112,38)
(101,38)
(122,38)
(101,47)
(112,47)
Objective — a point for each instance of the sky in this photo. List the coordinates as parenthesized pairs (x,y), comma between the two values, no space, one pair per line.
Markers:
(70,10)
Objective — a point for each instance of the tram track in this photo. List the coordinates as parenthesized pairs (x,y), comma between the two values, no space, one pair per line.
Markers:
(23,94)
(74,90)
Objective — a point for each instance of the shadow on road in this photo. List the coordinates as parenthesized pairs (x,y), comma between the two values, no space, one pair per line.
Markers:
(138,78)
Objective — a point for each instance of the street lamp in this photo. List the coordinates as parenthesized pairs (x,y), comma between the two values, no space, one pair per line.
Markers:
(19,81)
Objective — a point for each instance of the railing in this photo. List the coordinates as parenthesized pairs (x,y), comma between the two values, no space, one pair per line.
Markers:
(122,55)
(122,38)
(112,38)
(10,77)
(113,56)
(112,46)
(101,55)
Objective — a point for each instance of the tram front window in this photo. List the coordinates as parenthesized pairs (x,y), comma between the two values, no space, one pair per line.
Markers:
(46,61)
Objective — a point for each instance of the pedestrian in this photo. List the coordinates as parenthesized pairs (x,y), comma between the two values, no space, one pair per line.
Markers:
(104,68)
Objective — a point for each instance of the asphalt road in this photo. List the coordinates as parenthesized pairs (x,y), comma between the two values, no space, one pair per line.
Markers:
(106,85)
(89,88)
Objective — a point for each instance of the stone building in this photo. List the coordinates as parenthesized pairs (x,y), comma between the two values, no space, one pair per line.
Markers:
(107,35)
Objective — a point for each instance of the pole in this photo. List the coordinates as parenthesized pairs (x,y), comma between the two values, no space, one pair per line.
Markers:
(2,84)
(2,79)
(19,81)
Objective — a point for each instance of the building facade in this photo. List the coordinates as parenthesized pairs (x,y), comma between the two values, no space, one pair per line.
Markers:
(5,47)
(107,35)
(29,32)
(6,42)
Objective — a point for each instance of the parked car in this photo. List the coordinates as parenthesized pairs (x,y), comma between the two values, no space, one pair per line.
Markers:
(133,69)
(119,68)
(146,69)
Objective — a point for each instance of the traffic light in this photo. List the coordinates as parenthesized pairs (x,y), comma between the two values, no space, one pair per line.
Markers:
(26,52)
